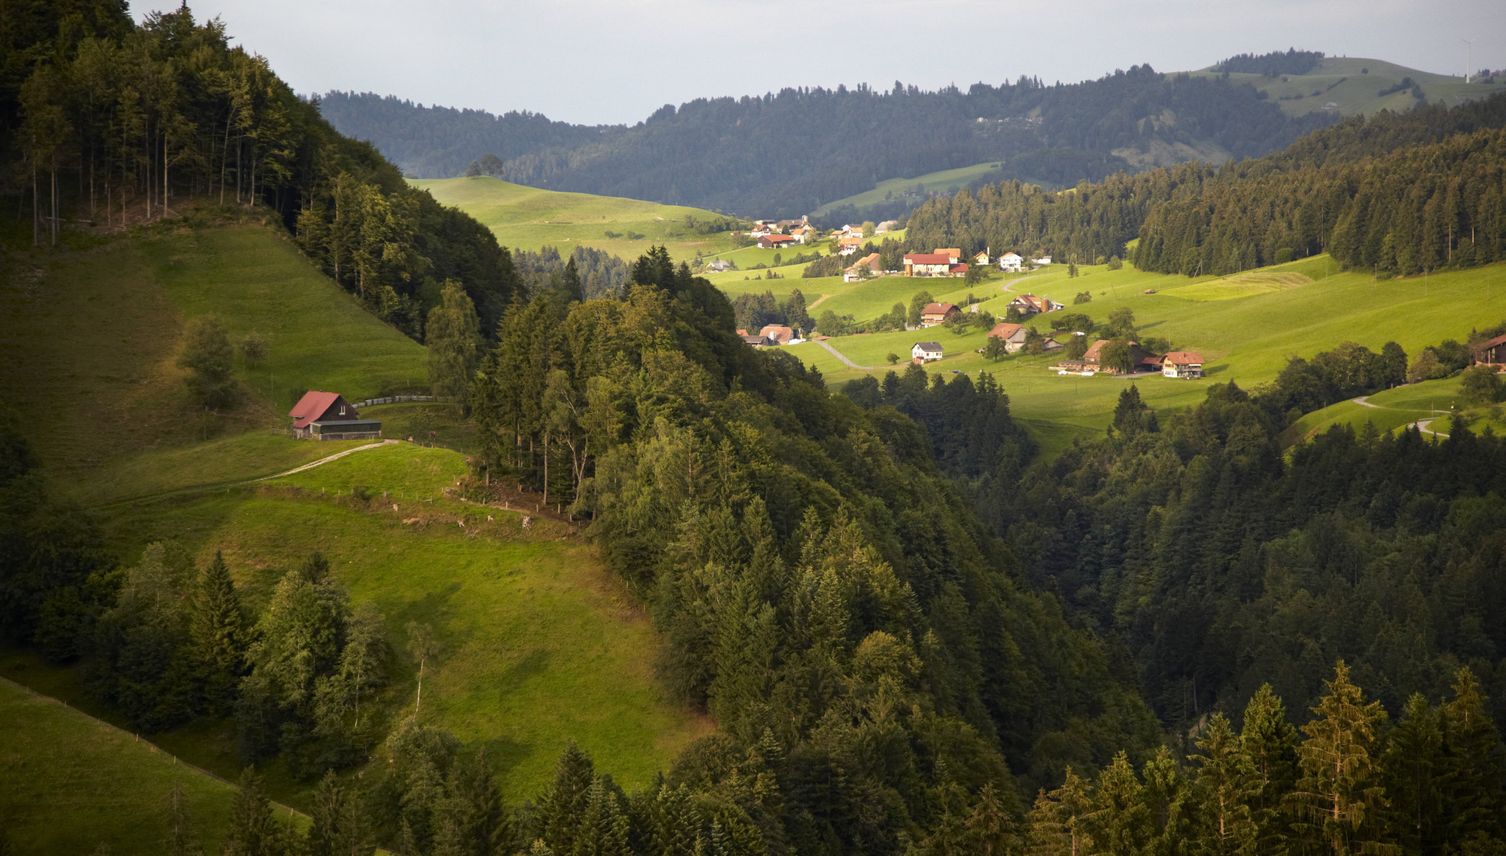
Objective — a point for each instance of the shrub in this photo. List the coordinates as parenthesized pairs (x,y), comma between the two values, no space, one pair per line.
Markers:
(207,356)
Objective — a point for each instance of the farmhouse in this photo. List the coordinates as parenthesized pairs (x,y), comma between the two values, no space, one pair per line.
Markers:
(938,313)
(1030,304)
(751,339)
(1492,352)
(849,244)
(1140,359)
(953,254)
(718,265)
(1010,262)
(925,352)
(777,334)
(981,259)
(926,264)
(769,242)
(326,416)
(869,265)
(1012,335)
(1182,364)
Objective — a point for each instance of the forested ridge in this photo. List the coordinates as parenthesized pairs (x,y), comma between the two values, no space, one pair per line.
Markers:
(1397,194)
(786,153)
(110,124)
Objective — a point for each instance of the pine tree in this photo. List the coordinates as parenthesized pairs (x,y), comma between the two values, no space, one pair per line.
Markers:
(602,829)
(339,826)
(1270,741)
(1339,793)
(1057,824)
(1412,765)
(218,628)
(1119,821)
(1474,764)
(1227,781)
(253,830)
(564,803)
(453,335)
(180,839)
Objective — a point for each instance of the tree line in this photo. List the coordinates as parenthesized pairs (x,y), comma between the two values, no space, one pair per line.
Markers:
(1396,193)
(713,153)
(115,124)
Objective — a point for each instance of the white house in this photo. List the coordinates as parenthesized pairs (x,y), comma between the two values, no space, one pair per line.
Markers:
(1041,262)
(1182,364)
(1011,262)
(925,352)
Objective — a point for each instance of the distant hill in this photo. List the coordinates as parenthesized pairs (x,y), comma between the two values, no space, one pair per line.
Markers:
(788,153)
(1355,86)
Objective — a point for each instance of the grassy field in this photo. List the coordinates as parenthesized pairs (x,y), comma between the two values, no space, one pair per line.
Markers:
(941,181)
(540,645)
(1247,326)
(112,788)
(101,330)
(1388,410)
(530,218)
(1354,84)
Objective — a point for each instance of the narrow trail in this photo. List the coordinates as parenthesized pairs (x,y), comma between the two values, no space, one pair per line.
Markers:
(322,461)
(820,300)
(1364,401)
(843,357)
(1423,427)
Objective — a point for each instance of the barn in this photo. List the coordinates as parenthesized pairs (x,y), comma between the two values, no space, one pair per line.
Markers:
(322,415)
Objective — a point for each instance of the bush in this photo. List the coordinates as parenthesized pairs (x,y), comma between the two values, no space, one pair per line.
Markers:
(1482,385)
(207,356)
(1082,297)
(253,349)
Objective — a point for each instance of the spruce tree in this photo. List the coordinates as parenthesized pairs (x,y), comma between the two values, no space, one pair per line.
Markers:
(1412,765)
(1270,741)
(253,830)
(1339,793)
(564,803)
(218,627)
(1226,782)
(1474,764)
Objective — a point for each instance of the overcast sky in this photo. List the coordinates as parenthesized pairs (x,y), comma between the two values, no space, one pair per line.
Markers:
(608,61)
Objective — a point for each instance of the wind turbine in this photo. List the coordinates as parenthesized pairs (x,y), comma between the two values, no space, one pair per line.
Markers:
(1469,62)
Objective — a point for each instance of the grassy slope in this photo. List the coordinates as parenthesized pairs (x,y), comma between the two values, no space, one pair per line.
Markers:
(1345,81)
(941,181)
(530,218)
(533,623)
(1246,325)
(110,786)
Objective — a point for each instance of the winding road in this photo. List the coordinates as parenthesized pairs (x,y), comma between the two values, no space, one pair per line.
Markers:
(839,355)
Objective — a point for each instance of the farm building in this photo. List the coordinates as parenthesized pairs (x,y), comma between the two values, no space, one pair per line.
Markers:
(925,352)
(981,259)
(753,339)
(869,265)
(1012,335)
(1140,359)
(1011,262)
(849,244)
(769,242)
(938,313)
(777,334)
(718,265)
(953,254)
(1492,352)
(326,416)
(1030,304)
(1182,364)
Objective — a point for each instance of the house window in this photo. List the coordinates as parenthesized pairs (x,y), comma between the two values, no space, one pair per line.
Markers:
(342,410)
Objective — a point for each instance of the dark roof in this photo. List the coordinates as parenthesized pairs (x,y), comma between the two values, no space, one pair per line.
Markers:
(311,406)
(929,346)
(1491,343)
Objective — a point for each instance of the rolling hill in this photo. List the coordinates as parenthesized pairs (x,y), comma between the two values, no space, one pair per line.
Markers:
(1356,86)
(528,620)
(530,218)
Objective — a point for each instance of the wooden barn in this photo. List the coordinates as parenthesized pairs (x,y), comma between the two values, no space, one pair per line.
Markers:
(1492,352)
(326,416)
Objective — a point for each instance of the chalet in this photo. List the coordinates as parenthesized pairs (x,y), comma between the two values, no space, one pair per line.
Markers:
(981,259)
(718,265)
(1140,359)
(327,416)
(953,254)
(938,313)
(849,244)
(869,265)
(1492,352)
(1030,304)
(927,264)
(777,334)
(803,234)
(1182,364)
(769,242)
(752,339)
(1011,262)
(1012,335)
(925,352)
(852,231)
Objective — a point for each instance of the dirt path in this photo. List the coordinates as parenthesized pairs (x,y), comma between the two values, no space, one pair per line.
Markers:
(843,357)
(820,300)
(322,461)
(1364,401)
(1423,426)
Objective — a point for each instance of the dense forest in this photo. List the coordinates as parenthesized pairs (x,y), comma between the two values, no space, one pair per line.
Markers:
(1274,64)
(109,124)
(786,153)
(1397,193)
(440,142)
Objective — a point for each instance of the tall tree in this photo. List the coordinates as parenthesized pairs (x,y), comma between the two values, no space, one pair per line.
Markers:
(454,338)
(1339,794)
(218,627)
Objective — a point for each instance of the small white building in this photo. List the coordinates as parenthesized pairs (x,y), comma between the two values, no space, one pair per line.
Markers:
(925,352)
(1011,262)
(1041,262)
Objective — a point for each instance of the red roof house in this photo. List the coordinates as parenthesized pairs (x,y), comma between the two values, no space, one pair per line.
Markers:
(322,415)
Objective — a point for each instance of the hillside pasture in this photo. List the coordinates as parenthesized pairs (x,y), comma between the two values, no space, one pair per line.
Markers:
(531,218)
(1354,84)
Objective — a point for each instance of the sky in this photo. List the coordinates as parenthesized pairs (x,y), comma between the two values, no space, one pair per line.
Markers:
(616,61)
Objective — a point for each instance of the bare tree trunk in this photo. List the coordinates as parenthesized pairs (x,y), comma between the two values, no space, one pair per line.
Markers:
(36,214)
(164,175)
(225,154)
(54,200)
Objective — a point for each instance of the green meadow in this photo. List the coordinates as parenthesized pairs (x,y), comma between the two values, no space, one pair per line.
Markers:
(1353,84)
(73,783)
(940,181)
(528,620)
(530,218)
(1247,326)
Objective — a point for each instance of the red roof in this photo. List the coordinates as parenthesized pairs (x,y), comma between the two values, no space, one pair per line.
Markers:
(927,259)
(958,268)
(1183,358)
(939,309)
(1005,330)
(777,239)
(311,406)
(1491,343)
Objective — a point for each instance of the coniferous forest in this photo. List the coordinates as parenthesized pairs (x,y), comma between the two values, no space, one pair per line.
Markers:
(915,635)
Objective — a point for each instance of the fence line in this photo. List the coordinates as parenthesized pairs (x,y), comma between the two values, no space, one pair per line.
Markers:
(153,747)
(400,399)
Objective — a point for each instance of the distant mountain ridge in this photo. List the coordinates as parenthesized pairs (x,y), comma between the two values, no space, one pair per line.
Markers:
(790,152)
